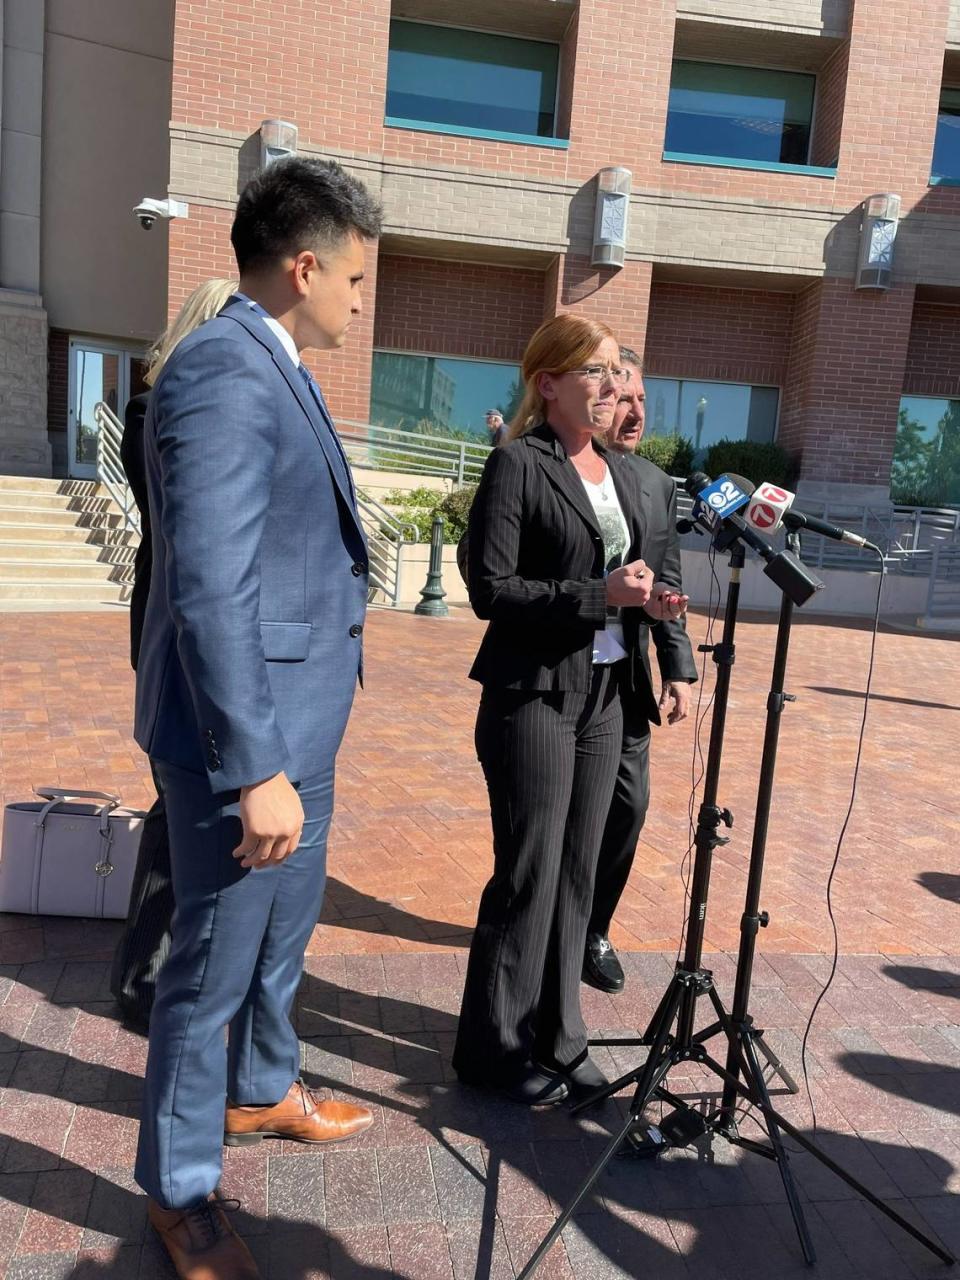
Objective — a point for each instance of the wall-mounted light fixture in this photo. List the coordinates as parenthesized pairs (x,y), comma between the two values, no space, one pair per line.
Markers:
(278,138)
(612,217)
(878,233)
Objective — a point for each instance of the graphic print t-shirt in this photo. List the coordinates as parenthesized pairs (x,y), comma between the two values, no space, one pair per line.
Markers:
(608,645)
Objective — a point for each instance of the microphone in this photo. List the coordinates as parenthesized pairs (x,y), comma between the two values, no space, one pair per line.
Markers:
(717,503)
(771,507)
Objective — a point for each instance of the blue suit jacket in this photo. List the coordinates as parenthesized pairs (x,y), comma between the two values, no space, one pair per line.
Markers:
(252,637)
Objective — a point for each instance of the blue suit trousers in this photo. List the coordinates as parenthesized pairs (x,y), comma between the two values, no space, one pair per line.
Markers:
(220,1027)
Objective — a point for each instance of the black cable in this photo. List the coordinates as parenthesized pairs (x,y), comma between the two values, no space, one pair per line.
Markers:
(843,832)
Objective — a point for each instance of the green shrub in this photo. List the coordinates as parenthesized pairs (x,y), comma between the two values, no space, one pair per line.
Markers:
(419,507)
(672,454)
(455,509)
(752,459)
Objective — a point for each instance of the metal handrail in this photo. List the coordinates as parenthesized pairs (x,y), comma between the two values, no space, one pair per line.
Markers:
(388,449)
(110,472)
(386,538)
(943,589)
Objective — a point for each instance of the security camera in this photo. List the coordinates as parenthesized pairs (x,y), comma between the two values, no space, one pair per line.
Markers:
(149,210)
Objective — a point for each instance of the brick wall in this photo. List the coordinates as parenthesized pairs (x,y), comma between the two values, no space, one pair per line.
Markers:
(621,85)
(618,298)
(456,308)
(844,381)
(320,64)
(58,373)
(893,91)
(933,355)
(828,122)
(798,388)
(733,335)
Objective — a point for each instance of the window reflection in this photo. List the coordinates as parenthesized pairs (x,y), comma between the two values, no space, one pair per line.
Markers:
(705,412)
(412,392)
(745,113)
(946,148)
(926,455)
(471,79)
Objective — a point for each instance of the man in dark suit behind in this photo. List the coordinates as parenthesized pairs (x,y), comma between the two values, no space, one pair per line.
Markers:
(631,797)
(248,665)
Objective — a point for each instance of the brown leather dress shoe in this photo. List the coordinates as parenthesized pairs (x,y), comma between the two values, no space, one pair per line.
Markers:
(300,1117)
(202,1243)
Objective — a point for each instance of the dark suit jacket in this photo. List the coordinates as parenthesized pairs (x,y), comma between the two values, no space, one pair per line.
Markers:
(535,569)
(131,455)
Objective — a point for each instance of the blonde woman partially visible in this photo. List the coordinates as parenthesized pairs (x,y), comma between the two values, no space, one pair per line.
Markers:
(206,301)
(203,304)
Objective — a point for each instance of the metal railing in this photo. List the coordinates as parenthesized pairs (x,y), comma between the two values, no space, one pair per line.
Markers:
(110,470)
(943,592)
(386,449)
(386,538)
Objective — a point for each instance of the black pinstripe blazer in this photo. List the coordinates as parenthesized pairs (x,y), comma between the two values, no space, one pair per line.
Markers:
(535,568)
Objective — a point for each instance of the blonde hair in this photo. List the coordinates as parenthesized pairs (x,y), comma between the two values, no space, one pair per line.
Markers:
(202,305)
(566,342)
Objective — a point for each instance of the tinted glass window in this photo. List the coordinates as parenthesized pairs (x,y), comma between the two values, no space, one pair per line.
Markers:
(410,391)
(705,412)
(744,113)
(471,79)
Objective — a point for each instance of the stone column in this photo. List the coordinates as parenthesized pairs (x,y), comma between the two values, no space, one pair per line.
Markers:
(24,446)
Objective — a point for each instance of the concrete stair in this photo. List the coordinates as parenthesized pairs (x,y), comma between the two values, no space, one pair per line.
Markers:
(62,542)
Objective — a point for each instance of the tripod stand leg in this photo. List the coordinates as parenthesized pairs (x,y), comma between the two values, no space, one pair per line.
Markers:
(774,1062)
(851,1181)
(658,1062)
(760,1098)
(783,1163)
(547,1242)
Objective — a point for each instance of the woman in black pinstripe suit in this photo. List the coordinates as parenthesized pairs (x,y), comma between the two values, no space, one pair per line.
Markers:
(553,548)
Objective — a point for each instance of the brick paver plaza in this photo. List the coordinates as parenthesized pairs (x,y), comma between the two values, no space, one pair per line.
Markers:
(451,1184)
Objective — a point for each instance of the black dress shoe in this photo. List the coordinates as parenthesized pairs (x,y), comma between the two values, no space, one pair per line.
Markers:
(534,1086)
(537,1088)
(584,1078)
(601,968)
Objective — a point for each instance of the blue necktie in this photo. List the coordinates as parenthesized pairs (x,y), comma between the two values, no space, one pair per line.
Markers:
(325,414)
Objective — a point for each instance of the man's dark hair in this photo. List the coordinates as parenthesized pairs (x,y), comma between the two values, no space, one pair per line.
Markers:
(298,204)
(629,356)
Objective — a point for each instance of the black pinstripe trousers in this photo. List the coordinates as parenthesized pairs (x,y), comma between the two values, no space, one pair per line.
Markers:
(550,761)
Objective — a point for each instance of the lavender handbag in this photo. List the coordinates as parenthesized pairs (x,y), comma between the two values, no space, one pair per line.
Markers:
(63,857)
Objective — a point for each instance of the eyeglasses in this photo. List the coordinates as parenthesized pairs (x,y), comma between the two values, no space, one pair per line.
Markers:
(600,373)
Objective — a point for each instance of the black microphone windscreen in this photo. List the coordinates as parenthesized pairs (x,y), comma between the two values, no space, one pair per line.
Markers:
(695,482)
(741,482)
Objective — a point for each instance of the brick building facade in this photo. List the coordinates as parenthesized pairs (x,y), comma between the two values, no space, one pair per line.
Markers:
(739,282)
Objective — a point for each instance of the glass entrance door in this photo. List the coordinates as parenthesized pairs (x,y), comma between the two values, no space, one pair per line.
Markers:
(98,371)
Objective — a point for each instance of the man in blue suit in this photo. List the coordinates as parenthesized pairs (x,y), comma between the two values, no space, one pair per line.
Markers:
(250,657)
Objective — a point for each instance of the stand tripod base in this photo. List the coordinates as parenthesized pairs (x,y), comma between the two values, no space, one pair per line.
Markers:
(668,1050)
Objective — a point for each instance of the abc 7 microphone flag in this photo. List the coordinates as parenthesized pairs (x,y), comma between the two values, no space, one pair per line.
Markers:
(767,507)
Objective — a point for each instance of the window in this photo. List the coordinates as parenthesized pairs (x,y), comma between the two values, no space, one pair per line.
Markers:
(946,148)
(744,113)
(471,80)
(926,456)
(706,412)
(441,392)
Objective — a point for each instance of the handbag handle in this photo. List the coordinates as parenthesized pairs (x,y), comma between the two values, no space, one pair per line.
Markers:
(56,795)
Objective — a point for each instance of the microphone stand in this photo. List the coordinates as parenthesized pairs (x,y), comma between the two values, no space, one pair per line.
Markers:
(670,1034)
(753,919)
